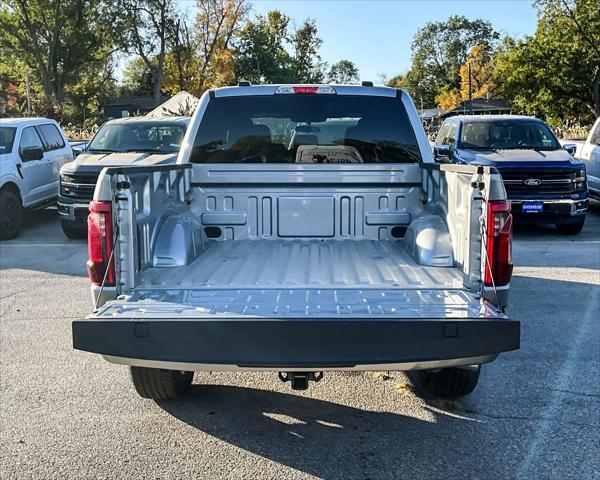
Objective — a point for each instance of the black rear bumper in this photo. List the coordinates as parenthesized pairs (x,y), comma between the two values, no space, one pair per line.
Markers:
(296,342)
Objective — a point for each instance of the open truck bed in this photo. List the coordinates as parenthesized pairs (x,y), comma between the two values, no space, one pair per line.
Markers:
(362,302)
(335,245)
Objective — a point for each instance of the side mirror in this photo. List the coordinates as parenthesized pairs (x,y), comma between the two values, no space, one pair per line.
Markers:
(79,149)
(442,153)
(571,148)
(33,153)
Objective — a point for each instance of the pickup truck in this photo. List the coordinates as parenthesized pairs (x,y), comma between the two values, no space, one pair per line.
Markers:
(589,153)
(124,141)
(32,150)
(545,184)
(303,229)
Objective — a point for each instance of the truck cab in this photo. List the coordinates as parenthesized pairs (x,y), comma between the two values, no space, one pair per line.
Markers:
(544,183)
(304,229)
(32,151)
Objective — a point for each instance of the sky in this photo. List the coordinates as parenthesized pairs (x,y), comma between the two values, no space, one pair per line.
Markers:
(376,34)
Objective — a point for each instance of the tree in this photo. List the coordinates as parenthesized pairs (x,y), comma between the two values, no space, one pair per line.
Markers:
(59,41)
(263,51)
(397,81)
(556,71)
(343,72)
(137,78)
(261,55)
(217,24)
(148,26)
(439,51)
(477,80)
(306,65)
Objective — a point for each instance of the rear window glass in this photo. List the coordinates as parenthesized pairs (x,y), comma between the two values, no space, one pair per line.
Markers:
(52,137)
(305,129)
(7,139)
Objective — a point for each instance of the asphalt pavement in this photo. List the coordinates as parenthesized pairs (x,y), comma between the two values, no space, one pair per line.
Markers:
(69,414)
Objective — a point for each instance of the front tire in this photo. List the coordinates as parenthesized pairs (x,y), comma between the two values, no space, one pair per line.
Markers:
(74,230)
(448,382)
(11,215)
(158,384)
(571,228)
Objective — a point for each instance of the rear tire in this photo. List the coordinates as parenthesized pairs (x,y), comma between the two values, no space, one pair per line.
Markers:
(158,384)
(571,228)
(447,382)
(74,230)
(11,214)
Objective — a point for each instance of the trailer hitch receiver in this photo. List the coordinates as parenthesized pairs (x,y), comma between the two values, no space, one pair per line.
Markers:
(300,379)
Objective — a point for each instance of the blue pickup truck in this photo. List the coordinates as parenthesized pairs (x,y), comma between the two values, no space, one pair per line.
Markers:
(544,183)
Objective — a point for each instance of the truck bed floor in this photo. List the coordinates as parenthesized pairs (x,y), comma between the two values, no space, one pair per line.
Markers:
(339,264)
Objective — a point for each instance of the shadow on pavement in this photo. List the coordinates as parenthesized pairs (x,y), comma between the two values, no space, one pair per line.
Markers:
(321,438)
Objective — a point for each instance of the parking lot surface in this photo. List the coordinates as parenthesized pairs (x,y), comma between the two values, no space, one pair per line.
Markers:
(69,414)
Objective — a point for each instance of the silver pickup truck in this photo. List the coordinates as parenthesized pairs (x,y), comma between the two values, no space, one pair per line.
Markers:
(303,229)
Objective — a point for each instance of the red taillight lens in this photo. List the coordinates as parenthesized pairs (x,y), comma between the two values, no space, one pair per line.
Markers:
(100,244)
(498,244)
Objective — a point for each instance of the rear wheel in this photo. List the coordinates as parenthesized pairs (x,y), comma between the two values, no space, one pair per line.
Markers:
(571,228)
(447,382)
(158,384)
(74,230)
(11,214)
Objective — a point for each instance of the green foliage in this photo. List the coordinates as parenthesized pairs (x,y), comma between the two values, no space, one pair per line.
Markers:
(439,51)
(555,72)
(343,72)
(262,51)
(137,79)
(147,30)
(60,42)
(306,65)
(261,55)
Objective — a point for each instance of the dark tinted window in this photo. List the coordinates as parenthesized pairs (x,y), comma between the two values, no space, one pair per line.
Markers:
(30,139)
(52,137)
(507,134)
(305,129)
(7,138)
(138,137)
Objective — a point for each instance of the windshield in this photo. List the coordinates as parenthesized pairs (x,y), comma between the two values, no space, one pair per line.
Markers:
(137,137)
(7,138)
(305,129)
(507,134)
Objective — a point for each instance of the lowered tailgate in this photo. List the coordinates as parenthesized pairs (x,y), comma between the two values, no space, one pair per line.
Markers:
(297,328)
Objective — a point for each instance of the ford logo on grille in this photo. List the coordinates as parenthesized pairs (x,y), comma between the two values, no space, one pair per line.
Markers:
(532,182)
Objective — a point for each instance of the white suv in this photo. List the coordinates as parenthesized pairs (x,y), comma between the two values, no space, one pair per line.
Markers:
(32,150)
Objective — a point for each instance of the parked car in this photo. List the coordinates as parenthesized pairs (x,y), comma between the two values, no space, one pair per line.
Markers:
(32,151)
(544,183)
(125,141)
(273,246)
(589,154)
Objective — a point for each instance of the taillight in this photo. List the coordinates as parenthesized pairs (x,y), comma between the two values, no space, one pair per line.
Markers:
(499,267)
(101,265)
